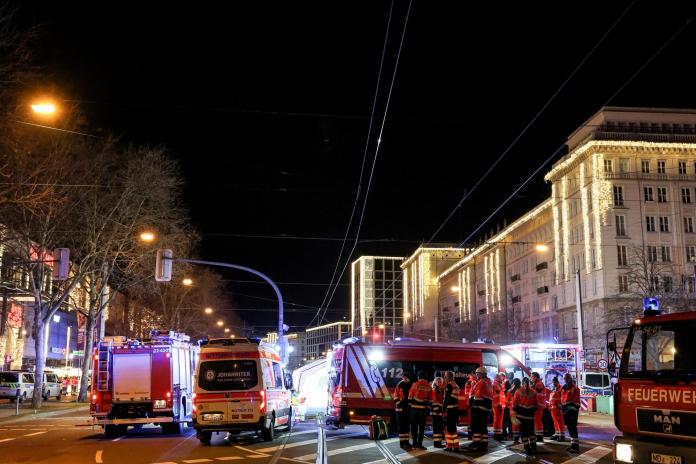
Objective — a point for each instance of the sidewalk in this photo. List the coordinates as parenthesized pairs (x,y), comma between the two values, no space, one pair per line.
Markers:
(596,419)
(50,408)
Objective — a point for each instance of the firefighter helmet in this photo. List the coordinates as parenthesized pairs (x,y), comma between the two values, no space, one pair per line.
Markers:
(481,370)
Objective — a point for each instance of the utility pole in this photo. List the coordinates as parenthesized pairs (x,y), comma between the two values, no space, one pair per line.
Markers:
(578,308)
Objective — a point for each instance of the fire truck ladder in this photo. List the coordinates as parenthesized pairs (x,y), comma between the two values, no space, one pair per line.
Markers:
(103,366)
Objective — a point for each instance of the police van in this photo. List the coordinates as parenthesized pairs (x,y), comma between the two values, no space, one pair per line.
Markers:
(240,385)
(14,382)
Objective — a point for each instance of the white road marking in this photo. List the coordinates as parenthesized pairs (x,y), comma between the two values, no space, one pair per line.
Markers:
(6,439)
(347,449)
(98,457)
(593,455)
(289,445)
(119,438)
(228,458)
(196,460)
(494,456)
(250,450)
(35,433)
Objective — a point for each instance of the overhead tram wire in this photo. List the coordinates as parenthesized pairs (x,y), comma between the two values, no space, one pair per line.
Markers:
(358,190)
(374,160)
(609,100)
(468,192)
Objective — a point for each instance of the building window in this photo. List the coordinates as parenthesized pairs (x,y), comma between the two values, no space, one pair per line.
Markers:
(666,253)
(660,166)
(608,167)
(691,254)
(648,194)
(645,166)
(623,284)
(621,225)
(689,225)
(667,283)
(622,255)
(655,283)
(652,253)
(650,223)
(690,284)
(686,195)
(664,223)
(618,195)
(662,194)
(624,165)
(682,167)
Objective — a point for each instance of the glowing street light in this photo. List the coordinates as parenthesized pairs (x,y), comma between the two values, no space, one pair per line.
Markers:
(220,323)
(541,247)
(381,326)
(147,236)
(232,336)
(187,281)
(208,310)
(227,330)
(455,289)
(44,108)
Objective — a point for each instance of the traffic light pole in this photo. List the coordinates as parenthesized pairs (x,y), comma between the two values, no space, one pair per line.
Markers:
(281,338)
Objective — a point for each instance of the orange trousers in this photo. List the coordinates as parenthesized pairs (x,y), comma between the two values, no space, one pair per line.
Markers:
(558,424)
(538,423)
(497,419)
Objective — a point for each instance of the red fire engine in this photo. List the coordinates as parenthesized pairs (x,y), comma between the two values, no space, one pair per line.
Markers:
(655,396)
(139,382)
(362,376)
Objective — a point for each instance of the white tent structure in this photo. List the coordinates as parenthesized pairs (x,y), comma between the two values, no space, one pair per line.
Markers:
(311,383)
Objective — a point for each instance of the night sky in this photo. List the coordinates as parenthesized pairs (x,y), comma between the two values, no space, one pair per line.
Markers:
(267,107)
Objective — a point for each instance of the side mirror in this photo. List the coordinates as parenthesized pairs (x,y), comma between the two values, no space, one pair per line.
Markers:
(288,381)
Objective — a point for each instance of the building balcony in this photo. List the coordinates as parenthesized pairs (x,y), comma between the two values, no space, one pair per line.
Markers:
(648,176)
(542,266)
(481,292)
(515,277)
(543,289)
(516,299)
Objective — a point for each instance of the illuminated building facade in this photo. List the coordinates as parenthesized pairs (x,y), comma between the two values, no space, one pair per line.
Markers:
(321,339)
(377,297)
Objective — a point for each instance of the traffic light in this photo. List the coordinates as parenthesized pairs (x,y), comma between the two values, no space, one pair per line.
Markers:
(61,263)
(163,266)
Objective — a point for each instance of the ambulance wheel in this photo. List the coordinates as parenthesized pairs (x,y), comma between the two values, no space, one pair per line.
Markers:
(268,433)
(205,437)
(289,428)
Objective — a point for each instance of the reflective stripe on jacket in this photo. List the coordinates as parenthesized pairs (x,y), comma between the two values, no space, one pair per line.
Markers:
(419,395)
(525,403)
(451,395)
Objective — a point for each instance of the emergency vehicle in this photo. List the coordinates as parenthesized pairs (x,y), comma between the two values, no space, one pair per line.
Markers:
(362,376)
(551,360)
(139,382)
(655,395)
(240,385)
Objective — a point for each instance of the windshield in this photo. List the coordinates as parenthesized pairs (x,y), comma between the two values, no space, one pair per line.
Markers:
(664,347)
(596,380)
(8,377)
(227,375)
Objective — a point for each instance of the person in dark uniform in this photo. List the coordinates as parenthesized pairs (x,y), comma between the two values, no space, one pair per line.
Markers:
(437,399)
(419,402)
(402,410)
(570,405)
(525,405)
(451,406)
(481,403)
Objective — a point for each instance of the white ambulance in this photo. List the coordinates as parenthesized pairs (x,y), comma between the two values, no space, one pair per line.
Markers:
(240,385)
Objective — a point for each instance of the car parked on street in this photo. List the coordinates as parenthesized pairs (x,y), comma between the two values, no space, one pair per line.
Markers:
(11,381)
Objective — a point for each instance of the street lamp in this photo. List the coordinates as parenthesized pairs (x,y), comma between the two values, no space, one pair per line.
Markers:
(541,247)
(208,310)
(227,330)
(220,323)
(44,108)
(147,236)
(187,281)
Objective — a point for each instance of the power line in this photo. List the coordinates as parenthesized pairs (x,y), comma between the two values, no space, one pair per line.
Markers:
(364,159)
(57,129)
(315,284)
(468,192)
(374,160)
(547,160)
(298,237)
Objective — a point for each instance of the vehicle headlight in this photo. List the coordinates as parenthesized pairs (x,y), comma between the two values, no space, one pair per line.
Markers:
(624,452)
(160,404)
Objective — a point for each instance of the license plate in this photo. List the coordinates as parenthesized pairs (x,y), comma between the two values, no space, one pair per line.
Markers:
(658,458)
(212,417)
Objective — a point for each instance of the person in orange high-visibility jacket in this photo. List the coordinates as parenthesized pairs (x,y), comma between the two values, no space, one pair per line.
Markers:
(437,398)
(538,385)
(507,424)
(556,413)
(516,385)
(419,400)
(525,405)
(570,405)
(451,407)
(497,386)
(481,403)
(467,394)
(402,409)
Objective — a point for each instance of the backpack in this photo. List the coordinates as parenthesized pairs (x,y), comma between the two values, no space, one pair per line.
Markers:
(378,428)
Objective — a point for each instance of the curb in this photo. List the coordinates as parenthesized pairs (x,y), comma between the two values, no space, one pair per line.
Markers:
(26,414)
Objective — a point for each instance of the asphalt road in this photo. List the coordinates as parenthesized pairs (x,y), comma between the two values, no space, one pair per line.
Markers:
(64,436)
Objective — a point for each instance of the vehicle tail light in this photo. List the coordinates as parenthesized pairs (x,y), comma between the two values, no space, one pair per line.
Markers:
(169,395)
(262,406)
(94,397)
(193,403)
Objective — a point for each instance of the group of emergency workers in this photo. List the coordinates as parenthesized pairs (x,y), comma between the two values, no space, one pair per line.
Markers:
(517,407)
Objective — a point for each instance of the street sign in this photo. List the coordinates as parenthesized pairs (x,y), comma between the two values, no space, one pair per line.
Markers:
(78,352)
(602,363)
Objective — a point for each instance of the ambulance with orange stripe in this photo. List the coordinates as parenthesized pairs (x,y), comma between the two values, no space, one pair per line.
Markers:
(363,376)
(240,385)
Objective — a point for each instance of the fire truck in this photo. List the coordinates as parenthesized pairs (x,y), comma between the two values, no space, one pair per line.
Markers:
(141,382)
(655,395)
(362,376)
